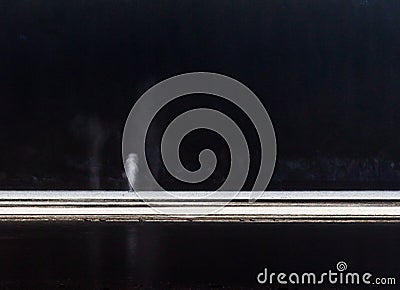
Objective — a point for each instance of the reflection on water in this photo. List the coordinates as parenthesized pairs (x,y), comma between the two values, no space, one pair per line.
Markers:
(161,255)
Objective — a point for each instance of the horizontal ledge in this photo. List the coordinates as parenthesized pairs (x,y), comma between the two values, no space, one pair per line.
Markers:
(285,206)
(248,213)
(331,210)
(356,195)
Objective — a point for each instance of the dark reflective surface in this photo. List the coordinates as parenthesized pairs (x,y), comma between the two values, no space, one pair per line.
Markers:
(179,255)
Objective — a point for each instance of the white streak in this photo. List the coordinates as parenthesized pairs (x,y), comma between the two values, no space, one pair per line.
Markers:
(131,166)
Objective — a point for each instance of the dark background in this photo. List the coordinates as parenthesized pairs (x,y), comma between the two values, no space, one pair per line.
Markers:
(190,255)
(70,71)
(327,72)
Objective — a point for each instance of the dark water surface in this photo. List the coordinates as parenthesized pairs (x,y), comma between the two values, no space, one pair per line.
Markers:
(83,255)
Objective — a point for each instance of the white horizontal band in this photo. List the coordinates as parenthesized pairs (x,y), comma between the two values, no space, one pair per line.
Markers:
(272,206)
(388,195)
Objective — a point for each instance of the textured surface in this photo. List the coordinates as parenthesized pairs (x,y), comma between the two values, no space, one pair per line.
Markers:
(283,206)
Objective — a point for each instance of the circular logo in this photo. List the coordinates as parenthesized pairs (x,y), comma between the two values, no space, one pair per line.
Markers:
(341,266)
(152,101)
